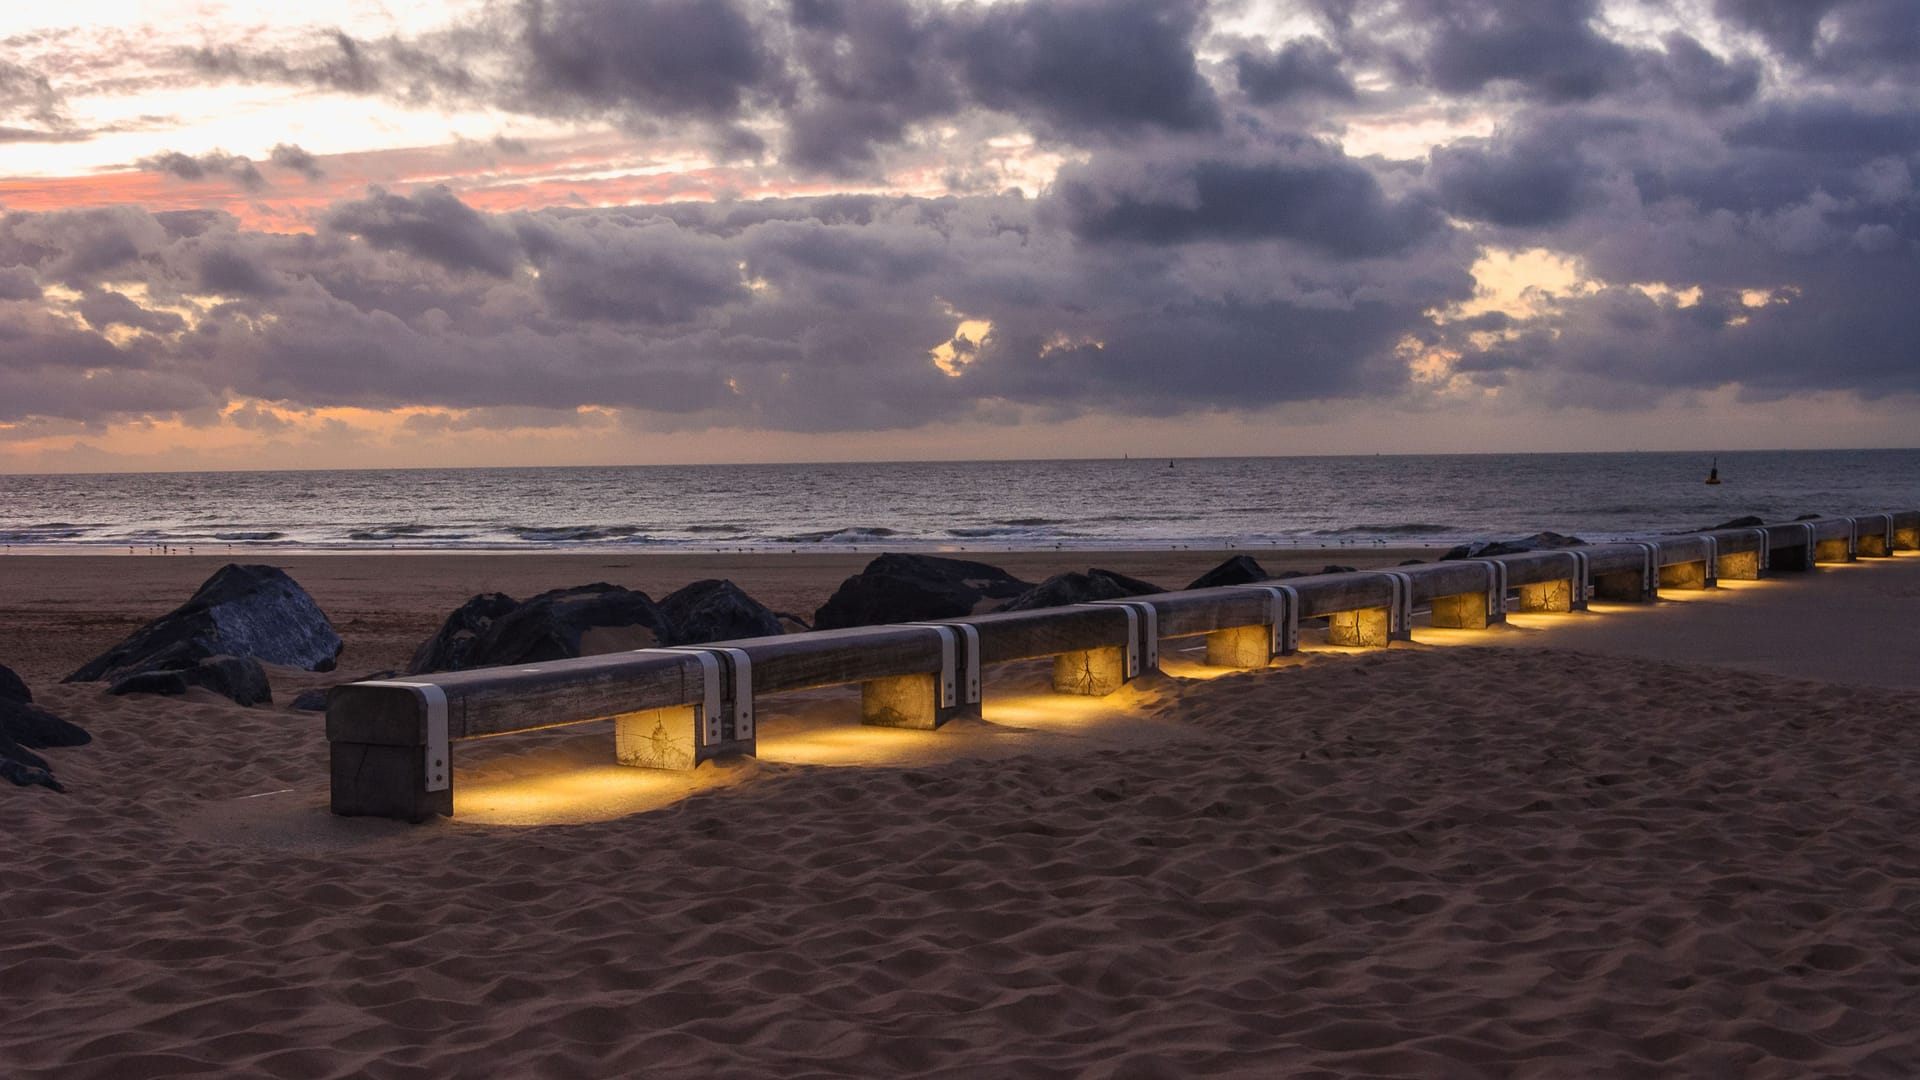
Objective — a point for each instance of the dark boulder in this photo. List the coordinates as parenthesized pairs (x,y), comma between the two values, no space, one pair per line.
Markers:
(1072,588)
(314,700)
(12,687)
(1748,522)
(1239,570)
(447,649)
(31,725)
(583,621)
(713,610)
(1542,541)
(24,767)
(910,588)
(240,679)
(254,611)
(1413,562)
(1809,517)
(1334,568)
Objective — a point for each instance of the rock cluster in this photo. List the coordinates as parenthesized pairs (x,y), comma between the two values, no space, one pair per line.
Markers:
(26,727)
(241,616)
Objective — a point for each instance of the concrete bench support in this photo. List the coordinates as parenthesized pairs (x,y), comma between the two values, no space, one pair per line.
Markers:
(1565,594)
(1091,672)
(1378,627)
(1636,586)
(1240,647)
(683,736)
(1906,539)
(657,738)
(1797,554)
(1834,550)
(1876,542)
(1255,646)
(1686,575)
(927,700)
(1475,610)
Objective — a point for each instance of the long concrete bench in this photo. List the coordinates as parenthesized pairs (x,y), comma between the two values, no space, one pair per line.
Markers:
(391,741)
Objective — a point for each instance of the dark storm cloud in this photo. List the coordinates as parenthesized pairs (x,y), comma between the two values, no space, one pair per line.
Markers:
(16,283)
(1087,66)
(1537,175)
(215,164)
(433,225)
(1302,68)
(807,315)
(293,158)
(1834,35)
(103,309)
(1302,191)
(873,67)
(684,57)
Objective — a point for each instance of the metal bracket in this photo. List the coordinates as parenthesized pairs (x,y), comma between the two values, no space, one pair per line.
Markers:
(1143,653)
(1853,538)
(712,728)
(1713,560)
(439,758)
(948,696)
(1283,617)
(1650,576)
(1889,533)
(1766,548)
(1580,589)
(970,693)
(1400,609)
(1496,588)
(1813,543)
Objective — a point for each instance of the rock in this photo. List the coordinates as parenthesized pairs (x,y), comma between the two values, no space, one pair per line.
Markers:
(1413,562)
(1071,588)
(791,623)
(1541,541)
(314,700)
(713,610)
(12,687)
(1809,517)
(447,649)
(237,678)
(31,725)
(1748,522)
(252,611)
(1239,570)
(24,767)
(1334,568)
(911,588)
(583,621)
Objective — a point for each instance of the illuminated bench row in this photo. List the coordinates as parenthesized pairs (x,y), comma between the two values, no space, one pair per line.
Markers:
(391,741)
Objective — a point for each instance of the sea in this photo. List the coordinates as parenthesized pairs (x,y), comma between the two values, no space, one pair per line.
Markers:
(1399,500)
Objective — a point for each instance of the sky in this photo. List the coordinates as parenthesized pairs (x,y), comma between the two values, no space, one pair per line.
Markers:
(501,232)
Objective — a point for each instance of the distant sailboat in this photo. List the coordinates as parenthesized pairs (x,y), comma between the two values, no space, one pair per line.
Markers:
(1713,474)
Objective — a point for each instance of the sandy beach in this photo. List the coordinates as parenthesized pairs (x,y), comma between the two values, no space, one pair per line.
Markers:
(1675,840)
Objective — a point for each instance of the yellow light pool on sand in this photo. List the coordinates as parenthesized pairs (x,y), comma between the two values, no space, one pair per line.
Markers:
(575,795)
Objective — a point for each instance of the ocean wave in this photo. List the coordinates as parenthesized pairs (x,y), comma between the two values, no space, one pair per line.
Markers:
(733,529)
(575,534)
(858,534)
(255,536)
(1407,529)
(43,534)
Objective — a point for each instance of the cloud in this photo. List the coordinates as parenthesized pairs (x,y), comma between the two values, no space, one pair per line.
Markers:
(1298,190)
(210,165)
(293,158)
(432,225)
(1303,68)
